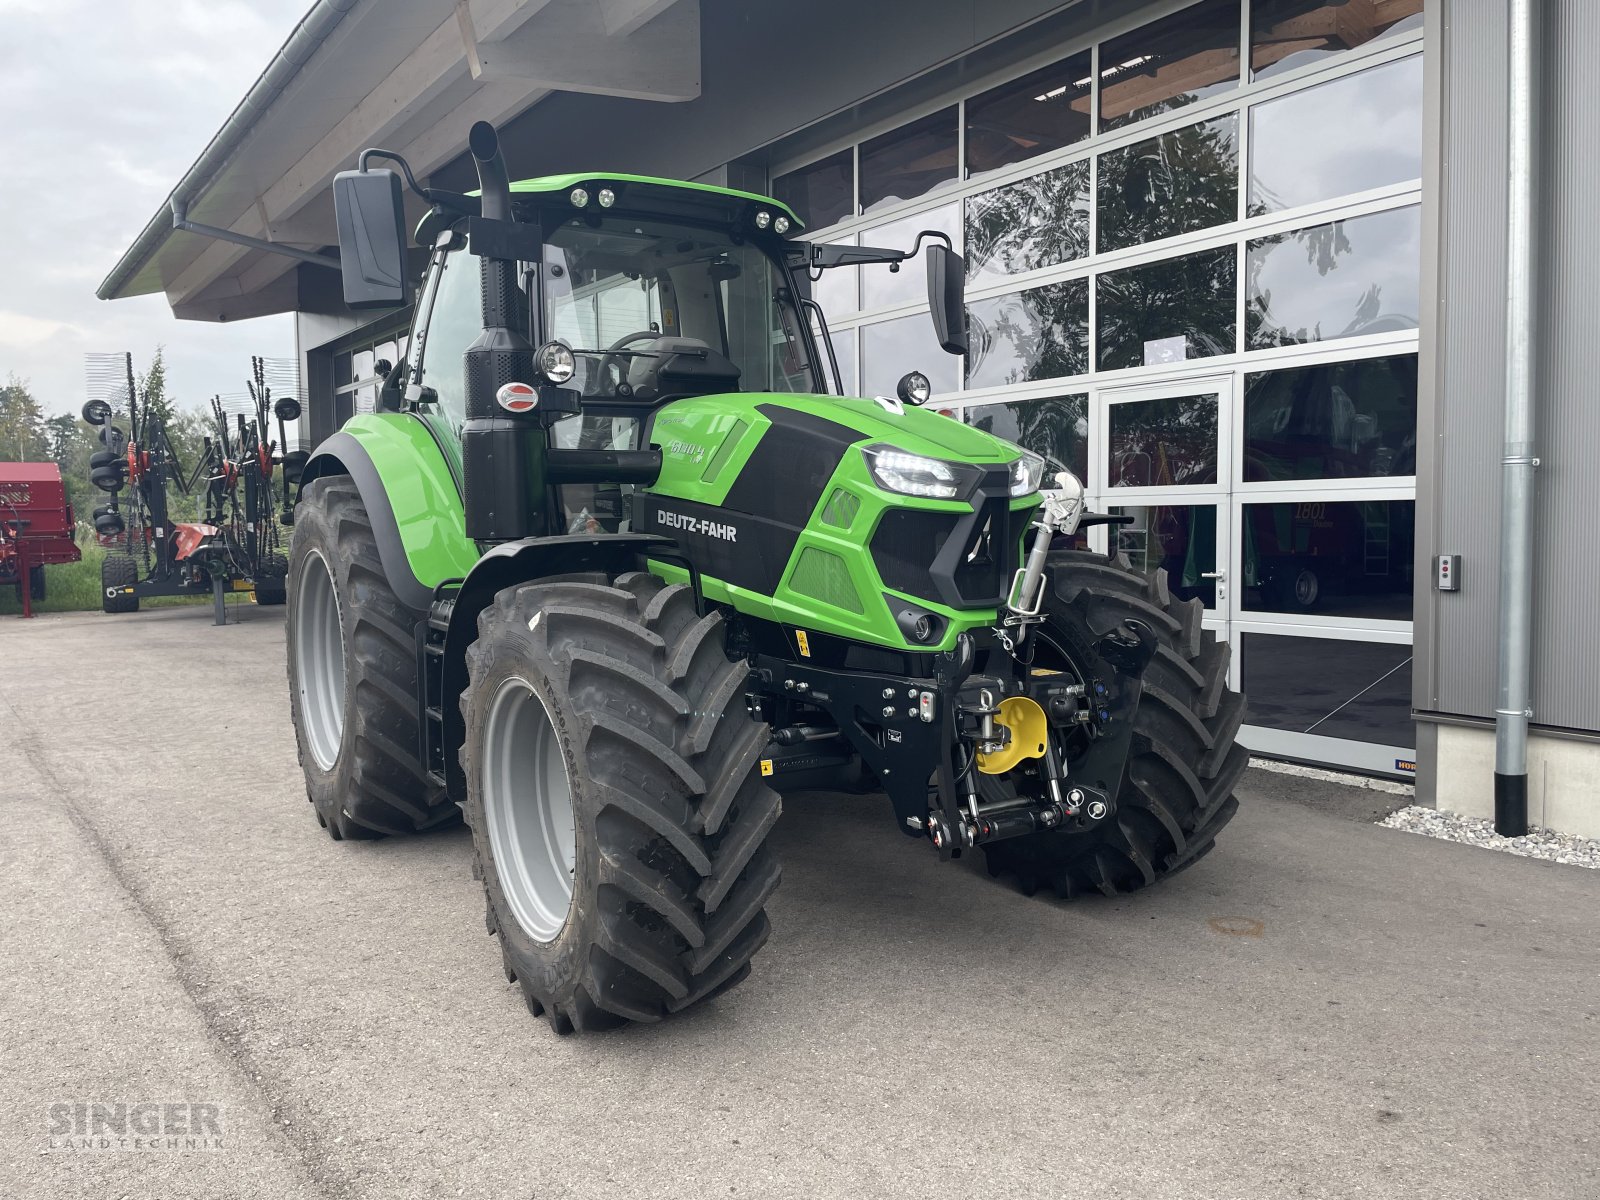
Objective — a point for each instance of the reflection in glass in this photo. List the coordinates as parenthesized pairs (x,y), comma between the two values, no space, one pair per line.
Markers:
(1344,558)
(881,287)
(1351,277)
(1169,311)
(1036,222)
(1285,34)
(1042,333)
(910,161)
(1169,63)
(1055,426)
(1339,138)
(891,348)
(1332,421)
(1180,539)
(1360,691)
(1170,442)
(1169,185)
(1034,115)
(821,193)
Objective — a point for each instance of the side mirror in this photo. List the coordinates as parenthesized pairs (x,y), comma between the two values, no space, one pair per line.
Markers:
(372,237)
(947,297)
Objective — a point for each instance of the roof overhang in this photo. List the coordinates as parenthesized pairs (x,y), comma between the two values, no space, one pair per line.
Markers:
(407,75)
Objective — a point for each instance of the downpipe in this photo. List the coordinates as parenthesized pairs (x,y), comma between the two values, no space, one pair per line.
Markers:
(1513,708)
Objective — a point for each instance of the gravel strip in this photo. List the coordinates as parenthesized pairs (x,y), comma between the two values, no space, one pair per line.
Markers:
(1540,843)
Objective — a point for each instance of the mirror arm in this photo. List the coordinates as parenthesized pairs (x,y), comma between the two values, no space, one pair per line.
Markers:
(180,220)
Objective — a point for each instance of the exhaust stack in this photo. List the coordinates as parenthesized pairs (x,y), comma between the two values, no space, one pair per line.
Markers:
(503,454)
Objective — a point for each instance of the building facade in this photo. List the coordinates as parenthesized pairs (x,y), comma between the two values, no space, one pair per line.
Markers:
(1234,262)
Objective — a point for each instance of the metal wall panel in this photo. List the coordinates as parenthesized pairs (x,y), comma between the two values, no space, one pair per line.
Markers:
(1471,367)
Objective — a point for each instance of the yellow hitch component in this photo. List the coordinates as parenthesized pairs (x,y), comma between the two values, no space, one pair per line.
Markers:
(1029,734)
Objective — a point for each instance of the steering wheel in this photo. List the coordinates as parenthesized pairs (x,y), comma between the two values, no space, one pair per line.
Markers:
(614,359)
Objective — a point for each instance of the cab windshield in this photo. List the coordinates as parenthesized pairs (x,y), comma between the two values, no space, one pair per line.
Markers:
(628,294)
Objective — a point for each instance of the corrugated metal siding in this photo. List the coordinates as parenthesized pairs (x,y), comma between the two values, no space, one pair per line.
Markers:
(1471,367)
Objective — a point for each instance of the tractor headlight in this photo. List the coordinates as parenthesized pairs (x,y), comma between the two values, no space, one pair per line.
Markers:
(555,362)
(913,475)
(1027,474)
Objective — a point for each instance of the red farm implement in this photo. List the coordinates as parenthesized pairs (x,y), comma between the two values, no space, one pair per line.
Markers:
(36,528)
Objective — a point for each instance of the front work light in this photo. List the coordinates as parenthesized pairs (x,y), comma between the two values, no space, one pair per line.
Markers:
(555,363)
(763,219)
(579,197)
(914,388)
(781,225)
(912,474)
(607,197)
(1027,473)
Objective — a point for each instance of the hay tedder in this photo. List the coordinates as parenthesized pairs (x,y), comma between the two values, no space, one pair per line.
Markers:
(238,479)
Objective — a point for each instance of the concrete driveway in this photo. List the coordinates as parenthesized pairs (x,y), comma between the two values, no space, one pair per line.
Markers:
(1320,1008)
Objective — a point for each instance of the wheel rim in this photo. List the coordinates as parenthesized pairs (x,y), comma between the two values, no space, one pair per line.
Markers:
(1305,588)
(527,800)
(319,661)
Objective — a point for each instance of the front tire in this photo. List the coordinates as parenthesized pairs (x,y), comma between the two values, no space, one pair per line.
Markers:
(271,584)
(618,813)
(353,675)
(1183,763)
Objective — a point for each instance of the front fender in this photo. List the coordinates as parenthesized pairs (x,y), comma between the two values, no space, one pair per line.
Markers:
(410,496)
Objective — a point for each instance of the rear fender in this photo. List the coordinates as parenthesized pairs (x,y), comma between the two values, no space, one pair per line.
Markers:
(410,496)
(508,564)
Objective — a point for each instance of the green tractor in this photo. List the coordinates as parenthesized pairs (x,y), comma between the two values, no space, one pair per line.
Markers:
(614,566)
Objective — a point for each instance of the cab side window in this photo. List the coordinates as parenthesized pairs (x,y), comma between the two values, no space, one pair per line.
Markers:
(454,324)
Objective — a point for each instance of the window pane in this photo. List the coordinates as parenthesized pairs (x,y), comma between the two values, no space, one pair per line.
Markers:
(1180,539)
(1285,34)
(822,193)
(1033,115)
(1357,276)
(1036,222)
(891,348)
(844,348)
(881,287)
(1336,421)
(1042,333)
(361,364)
(1168,311)
(1360,691)
(837,289)
(1057,427)
(1169,63)
(910,162)
(1347,558)
(1361,132)
(1171,442)
(1169,185)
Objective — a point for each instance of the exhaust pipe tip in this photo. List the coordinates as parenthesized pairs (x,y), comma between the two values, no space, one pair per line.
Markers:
(483,141)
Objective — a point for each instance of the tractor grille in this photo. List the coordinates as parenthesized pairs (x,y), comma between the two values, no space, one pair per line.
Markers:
(965,560)
(823,576)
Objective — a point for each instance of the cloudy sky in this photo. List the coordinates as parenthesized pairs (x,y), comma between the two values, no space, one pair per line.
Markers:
(103,106)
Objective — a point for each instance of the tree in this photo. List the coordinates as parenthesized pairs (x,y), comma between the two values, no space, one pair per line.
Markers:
(157,405)
(22,426)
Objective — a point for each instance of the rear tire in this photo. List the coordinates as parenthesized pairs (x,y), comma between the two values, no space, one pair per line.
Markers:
(118,571)
(666,867)
(1177,789)
(353,675)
